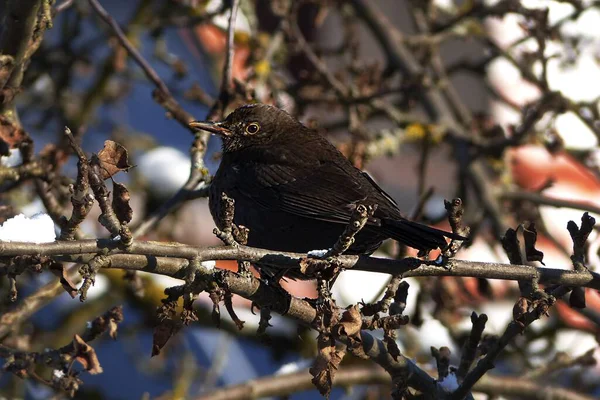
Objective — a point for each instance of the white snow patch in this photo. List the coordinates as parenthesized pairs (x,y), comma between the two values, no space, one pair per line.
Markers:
(165,169)
(13,159)
(99,288)
(57,374)
(37,229)
(33,208)
(210,265)
(318,253)
(574,342)
(434,207)
(294,366)
(242,23)
(575,133)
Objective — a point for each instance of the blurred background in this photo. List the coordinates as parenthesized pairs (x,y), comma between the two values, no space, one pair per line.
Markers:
(498,104)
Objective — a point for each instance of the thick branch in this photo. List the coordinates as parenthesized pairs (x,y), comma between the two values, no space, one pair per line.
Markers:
(287,384)
(81,251)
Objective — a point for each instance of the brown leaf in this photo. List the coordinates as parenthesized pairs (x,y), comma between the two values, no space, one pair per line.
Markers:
(216,295)
(351,322)
(86,356)
(530,237)
(392,347)
(59,270)
(120,203)
(325,367)
(510,244)
(112,329)
(114,316)
(162,333)
(113,158)
(520,309)
(305,265)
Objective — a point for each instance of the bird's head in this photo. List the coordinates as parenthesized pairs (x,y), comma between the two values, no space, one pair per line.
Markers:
(251,125)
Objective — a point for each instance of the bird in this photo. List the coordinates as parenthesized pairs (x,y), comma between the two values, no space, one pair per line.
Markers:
(296,192)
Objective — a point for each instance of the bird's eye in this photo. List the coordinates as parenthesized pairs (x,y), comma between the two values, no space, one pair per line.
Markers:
(252,128)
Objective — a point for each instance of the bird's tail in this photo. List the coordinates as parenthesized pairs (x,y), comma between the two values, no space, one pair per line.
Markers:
(417,236)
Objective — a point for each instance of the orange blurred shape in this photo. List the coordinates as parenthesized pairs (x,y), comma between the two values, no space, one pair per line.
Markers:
(574,318)
(295,288)
(534,166)
(214,41)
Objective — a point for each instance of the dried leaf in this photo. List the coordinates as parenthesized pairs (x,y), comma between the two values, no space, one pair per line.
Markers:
(510,244)
(112,318)
(304,265)
(162,333)
(120,203)
(392,347)
(530,237)
(112,329)
(216,295)
(113,158)
(580,235)
(188,316)
(350,323)
(59,270)
(520,308)
(86,356)
(325,367)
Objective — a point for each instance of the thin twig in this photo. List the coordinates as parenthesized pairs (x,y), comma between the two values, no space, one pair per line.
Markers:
(218,109)
(163,96)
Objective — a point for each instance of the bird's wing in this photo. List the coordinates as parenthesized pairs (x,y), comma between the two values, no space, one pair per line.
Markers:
(321,190)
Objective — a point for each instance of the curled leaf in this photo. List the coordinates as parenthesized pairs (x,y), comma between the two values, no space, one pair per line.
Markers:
(86,356)
(350,323)
(120,203)
(162,333)
(520,309)
(530,237)
(510,244)
(113,158)
(392,347)
(59,270)
(325,367)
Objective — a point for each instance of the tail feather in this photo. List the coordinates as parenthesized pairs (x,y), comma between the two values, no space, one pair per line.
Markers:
(417,236)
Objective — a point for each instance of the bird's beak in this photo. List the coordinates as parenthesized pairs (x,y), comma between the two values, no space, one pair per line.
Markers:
(216,128)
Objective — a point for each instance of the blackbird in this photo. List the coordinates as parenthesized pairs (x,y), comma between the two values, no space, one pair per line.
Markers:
(296,192)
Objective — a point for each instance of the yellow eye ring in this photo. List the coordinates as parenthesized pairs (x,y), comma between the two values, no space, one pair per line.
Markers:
(252,128)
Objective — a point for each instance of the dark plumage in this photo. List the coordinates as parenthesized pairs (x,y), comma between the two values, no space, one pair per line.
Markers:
(296,192)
